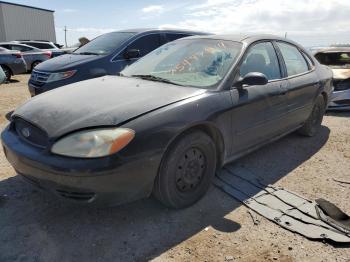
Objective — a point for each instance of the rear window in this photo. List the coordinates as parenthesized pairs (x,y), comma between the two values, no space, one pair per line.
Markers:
(334,58)
(104,44)
(294,60)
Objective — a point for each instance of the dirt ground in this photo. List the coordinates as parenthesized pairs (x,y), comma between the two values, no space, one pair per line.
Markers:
(35,226)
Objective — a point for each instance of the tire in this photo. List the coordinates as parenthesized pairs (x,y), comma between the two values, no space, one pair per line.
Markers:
(7,72)
(186,170)
(313,123)
(35,64)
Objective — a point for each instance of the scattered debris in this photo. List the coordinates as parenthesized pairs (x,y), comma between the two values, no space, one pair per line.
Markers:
(341,181)
(206,229)
(228,258)
(255,219)
(332,215)
(289,210)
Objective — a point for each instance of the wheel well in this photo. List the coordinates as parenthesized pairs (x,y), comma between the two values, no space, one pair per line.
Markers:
(35,62)
(5,66)
(325,97)
(214,134)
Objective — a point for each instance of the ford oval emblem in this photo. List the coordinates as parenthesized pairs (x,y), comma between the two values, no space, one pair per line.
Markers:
(25,132)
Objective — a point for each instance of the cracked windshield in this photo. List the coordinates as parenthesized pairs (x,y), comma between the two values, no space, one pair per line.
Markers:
(192,62)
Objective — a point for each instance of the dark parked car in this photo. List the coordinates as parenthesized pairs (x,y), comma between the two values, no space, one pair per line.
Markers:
(12,62)
(338,59)
(43,45)
(33,56)
(107,54)
(169,121)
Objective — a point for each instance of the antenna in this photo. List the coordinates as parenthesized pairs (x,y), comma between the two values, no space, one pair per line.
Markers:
(65,35)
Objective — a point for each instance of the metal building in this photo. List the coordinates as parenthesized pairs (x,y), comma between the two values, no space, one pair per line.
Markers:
(21,22)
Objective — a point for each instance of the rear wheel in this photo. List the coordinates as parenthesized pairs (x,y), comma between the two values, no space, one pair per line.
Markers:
(7,72)
(186,170)
(313,123)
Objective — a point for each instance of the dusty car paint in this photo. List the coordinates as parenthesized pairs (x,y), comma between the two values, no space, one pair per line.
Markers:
(238,121)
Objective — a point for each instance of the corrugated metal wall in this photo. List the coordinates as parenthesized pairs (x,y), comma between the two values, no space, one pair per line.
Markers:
(2,26)
(26,23)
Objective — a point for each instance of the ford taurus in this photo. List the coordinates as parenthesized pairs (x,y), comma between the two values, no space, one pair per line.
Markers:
(168,121)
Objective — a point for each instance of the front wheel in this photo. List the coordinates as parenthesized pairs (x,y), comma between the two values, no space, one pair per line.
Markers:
(186,170)
(7,73)
(313,123)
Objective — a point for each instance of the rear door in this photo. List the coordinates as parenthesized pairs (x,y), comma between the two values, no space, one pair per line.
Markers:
(27,52)
(145,44)
(259,109)
(303,83)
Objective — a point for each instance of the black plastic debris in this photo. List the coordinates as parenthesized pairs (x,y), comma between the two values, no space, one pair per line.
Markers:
(288,209)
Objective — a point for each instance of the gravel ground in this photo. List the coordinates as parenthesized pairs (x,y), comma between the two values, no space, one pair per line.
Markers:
(35,226)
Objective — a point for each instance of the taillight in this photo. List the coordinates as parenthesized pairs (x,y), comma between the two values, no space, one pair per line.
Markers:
(17,55)
(48,54)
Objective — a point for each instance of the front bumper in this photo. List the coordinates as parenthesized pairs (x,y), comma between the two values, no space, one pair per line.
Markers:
(340,100)
(104,181)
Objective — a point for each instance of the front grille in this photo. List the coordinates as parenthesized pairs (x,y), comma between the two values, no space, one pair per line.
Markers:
(39,78)
(77,196)
(340,85)
(31,133)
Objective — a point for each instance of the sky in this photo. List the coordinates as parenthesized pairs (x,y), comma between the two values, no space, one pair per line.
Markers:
(309,22)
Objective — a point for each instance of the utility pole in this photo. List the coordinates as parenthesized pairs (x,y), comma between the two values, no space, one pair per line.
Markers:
(285,35)
(65,34)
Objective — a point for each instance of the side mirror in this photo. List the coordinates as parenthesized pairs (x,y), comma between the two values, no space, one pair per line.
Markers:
(251,79)
(132,53)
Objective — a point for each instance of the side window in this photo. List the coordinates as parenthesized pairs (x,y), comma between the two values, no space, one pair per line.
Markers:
(7,47)
(21,48)
(309,61)
(294,60)
(171,37)
(40,45)
(261,58)
(146,44)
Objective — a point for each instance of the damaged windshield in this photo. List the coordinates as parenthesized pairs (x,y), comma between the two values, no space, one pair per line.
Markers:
(338,59)
(190,62)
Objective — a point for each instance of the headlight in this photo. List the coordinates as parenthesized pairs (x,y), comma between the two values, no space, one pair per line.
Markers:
(94,142)
(60,76)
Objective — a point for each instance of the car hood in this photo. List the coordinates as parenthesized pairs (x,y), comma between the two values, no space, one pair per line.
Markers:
(341,74)
(104,101)
(65,62)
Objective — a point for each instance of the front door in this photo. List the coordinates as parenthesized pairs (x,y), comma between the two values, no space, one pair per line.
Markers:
(258,110)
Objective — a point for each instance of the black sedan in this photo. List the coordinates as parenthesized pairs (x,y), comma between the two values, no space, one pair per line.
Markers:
(169,121)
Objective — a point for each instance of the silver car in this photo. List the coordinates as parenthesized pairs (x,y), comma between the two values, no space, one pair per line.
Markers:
(12,63)
(2,76)
(338,59)
(33,56)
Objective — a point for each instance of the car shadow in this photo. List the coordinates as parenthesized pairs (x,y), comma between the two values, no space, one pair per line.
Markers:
(11,81)
(35,225)
(338,113)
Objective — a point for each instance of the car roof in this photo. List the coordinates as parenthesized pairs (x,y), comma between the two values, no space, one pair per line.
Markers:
(333,50)
(35,41)
(244,38)
(150,30)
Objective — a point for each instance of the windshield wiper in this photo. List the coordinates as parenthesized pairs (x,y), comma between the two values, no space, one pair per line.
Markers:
(86,53)
(156,78)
